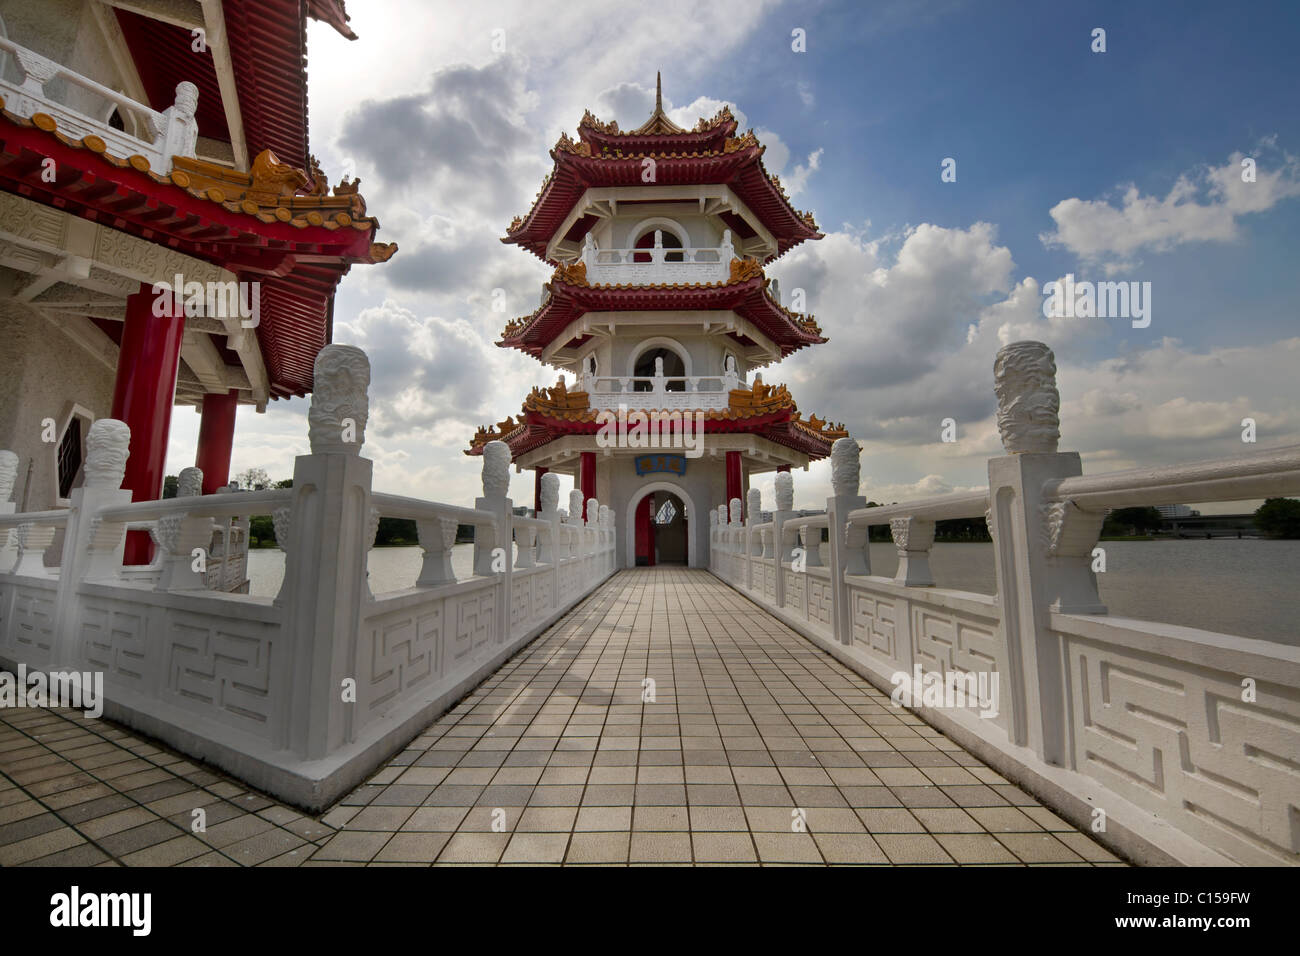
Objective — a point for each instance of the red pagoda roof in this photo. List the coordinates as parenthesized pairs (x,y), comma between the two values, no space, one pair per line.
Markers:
(744,293)
(268,52)
(764,410)
(273,225)
(709,154)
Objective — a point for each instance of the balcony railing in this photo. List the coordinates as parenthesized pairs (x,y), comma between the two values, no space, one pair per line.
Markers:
(658,264)
(173,132)
(662,391)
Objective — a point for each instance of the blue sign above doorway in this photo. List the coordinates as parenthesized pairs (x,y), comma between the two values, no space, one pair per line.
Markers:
(649,464)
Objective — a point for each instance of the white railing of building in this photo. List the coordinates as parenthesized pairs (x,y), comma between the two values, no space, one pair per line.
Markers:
(658,265)
(661,391)
(306,693)
(173,132)
(1183,743)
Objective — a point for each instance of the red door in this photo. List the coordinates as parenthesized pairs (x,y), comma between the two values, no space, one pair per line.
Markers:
(645,532)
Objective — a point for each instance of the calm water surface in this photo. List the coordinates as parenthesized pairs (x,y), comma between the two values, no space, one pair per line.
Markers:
(1246,588)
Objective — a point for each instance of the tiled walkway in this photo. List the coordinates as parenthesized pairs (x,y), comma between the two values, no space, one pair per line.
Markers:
(756,748)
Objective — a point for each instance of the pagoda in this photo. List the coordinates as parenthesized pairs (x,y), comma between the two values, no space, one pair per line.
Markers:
(660,306)
(145,146)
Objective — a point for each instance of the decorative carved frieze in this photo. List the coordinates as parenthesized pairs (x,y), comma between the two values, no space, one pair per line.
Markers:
(1024,380)
(107,444)
(846,468)
(339,405)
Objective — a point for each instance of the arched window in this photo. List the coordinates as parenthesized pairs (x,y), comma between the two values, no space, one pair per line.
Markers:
(673,368)
(670,241)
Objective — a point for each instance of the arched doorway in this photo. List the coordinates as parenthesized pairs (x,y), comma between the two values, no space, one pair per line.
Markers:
(658,524)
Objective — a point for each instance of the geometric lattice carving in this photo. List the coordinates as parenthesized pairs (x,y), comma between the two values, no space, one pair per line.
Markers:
(872,621)
(1178,739)
(404,651)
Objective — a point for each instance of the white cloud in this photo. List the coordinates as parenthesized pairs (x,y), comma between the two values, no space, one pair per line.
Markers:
(1202,206)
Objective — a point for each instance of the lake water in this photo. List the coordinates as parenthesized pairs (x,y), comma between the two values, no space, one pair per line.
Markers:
(1249,588)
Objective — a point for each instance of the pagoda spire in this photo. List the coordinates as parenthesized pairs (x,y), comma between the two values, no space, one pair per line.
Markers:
(658,121)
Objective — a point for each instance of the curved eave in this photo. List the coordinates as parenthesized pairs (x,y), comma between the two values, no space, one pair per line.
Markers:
(538,429)
(298,262)
(748,299)
(631,142)
(741,169)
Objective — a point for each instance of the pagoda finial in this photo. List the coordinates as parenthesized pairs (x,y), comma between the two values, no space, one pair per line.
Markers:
(658,123)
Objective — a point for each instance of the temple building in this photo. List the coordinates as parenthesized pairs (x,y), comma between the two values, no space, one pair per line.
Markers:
(660,307)
(166,237)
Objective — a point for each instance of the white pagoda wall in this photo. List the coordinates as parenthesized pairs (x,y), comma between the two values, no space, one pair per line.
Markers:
(618,233)
(44,372)
(705,482)
(706,352)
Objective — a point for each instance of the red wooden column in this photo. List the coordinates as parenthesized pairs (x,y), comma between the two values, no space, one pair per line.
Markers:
(216,440)
(537,489)
(733,481)
(587,480)
(143,393)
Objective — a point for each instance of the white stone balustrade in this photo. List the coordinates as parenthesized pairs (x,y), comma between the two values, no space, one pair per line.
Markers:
(661,266)
(157,136)
(1145,720)
(668,392)
(305,694)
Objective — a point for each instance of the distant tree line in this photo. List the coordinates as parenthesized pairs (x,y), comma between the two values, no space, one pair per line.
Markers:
(1279,518)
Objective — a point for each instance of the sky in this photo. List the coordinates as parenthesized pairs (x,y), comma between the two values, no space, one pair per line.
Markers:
(1122,165)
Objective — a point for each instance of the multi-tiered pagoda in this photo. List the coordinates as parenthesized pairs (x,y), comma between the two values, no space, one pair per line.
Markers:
(659,304)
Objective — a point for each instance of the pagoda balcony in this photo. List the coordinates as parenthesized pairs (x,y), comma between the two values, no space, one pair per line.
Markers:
(173,132)
(658,264)
(707,392)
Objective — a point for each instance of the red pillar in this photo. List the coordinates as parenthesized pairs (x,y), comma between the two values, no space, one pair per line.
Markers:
(782,467)
(587,480)
(216,440)
(537,489)
(143,394)
(733,481)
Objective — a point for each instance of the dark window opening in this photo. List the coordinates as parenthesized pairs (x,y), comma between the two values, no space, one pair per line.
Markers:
(69,457)
(115,121)
(673,368)
(669,240)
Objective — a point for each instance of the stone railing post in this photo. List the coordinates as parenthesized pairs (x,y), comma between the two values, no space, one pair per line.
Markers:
(914,537)
(550,547)
(713,534)
(548,538)
(753,542)
(488,560)
(437,538)
(607,536)
(92,548)
(845,553)
(8,478)
(177,537)
(1043,550)
(327,532)
(781,542)
(576,523)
